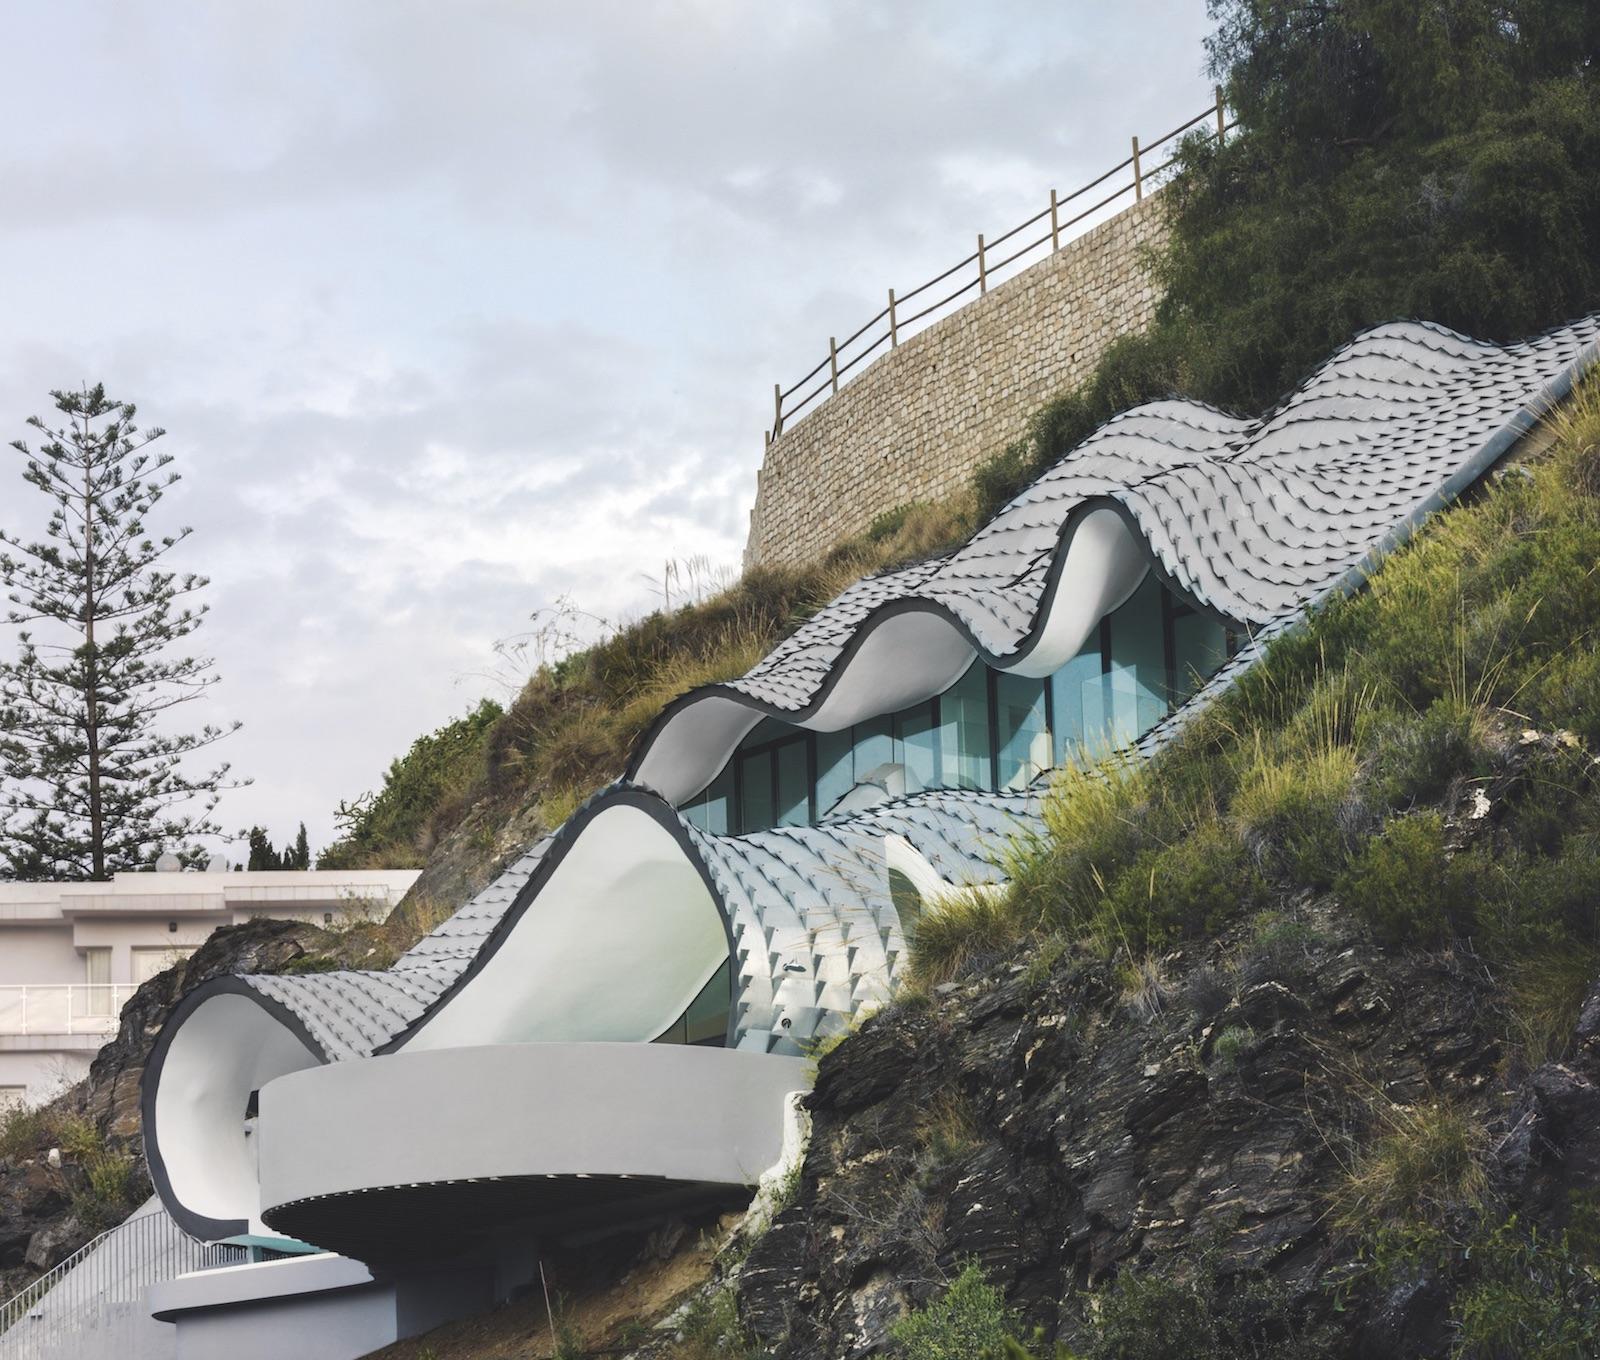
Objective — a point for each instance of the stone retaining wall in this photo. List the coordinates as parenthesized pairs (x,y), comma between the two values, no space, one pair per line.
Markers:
(916,422)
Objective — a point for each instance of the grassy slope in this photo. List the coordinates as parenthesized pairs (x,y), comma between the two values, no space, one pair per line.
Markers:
(1356,756)
(1421,757)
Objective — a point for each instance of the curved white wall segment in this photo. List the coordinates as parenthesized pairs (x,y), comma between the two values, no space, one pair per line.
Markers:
(622,938)
(1105,563)
(227,1047)
(708,1115)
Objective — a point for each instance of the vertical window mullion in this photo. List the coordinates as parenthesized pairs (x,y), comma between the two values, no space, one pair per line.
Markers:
(811,778)
(992,691)
(1169,645)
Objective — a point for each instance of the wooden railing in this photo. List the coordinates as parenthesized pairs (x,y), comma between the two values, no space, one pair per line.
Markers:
(981,270)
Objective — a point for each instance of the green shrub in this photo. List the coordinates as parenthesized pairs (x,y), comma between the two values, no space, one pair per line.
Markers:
(1547,990)
(1407,886)
(1532,1297)
(428,782)
(712,1331)
(1211,1316)
(110,1193)
(1192,885)
(969,1318)
(1228,1045)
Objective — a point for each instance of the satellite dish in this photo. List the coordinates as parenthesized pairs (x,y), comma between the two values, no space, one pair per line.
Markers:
(217,864)
(168,863)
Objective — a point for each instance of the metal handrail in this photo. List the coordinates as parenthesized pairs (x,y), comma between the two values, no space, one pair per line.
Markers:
(62,1007)
(837,363)
(92,1303)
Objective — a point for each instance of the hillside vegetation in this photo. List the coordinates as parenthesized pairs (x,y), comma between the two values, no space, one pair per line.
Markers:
(1284,1045)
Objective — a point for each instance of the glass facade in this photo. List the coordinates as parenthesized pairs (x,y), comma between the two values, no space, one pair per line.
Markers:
(705,1021)
(989,730)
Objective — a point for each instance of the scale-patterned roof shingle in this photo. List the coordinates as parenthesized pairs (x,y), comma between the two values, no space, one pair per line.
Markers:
(1254,519)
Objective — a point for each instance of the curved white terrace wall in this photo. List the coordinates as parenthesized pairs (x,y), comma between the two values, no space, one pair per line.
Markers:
(622,938)
(225,1049)
(707,1115)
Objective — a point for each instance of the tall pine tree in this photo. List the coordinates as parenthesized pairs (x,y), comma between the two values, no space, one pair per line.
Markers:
(93,774)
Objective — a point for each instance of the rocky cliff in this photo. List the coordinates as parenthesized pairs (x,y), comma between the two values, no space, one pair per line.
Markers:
(1057,1129)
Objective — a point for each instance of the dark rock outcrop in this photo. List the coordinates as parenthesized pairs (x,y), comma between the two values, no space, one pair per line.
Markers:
(1057,1133)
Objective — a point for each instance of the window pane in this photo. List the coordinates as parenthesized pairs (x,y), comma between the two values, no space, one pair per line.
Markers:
(1024,740)
(1201,646)
(706,1020)
(964,731)
(1078,698)
(835,768)
(755,791)
(794,784)
(913,747)
(874,746)
(1139,680)
(709,811)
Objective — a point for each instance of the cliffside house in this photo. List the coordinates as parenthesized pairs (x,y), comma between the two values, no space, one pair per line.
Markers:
(614,1029)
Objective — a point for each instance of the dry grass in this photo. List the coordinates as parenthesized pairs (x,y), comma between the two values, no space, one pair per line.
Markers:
(1546,992)
(1425,1163)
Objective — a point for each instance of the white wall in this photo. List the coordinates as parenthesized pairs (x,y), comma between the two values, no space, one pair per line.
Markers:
(43,1073)
(39,954)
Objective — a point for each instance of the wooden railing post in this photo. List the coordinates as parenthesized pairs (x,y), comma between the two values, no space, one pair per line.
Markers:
(894,330)
(1138,180)
(777,409)
(833,361)
(1055,222)
(983,272)
(1222,116)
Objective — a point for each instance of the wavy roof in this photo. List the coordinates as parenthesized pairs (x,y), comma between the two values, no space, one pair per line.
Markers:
(1251,520)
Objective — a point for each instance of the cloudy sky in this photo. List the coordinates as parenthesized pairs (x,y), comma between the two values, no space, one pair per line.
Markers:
(454,309)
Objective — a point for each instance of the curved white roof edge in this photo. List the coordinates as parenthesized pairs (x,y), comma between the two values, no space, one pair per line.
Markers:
(903,656)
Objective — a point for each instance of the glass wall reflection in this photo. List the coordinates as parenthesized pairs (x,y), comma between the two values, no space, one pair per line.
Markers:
(989,730)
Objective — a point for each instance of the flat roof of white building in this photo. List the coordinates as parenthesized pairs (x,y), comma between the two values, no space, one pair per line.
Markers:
(204,893)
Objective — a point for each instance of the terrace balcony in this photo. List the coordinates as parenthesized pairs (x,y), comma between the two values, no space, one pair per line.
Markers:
(56,1009)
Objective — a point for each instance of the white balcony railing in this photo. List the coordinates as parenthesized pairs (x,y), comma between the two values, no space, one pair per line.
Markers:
(63,1007)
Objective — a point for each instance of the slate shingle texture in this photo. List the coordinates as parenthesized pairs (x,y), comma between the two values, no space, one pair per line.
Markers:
(1256,520)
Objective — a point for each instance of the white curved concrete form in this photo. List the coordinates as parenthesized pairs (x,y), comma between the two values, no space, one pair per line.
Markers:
(548,1128)
(628,918)
(624,935)
(224,1048)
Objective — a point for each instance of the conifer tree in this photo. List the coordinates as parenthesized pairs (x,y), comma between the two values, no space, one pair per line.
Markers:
(93,775)
(262,855)
(300,857)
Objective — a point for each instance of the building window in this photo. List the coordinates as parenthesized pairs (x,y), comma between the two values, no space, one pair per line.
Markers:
(704,1021)
(990,729)
(1140,680)
(964,736)
(97,973)
(1022,739)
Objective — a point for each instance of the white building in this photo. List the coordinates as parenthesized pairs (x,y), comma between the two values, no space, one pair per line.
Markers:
(72,953)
